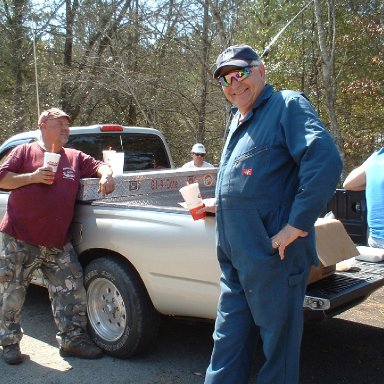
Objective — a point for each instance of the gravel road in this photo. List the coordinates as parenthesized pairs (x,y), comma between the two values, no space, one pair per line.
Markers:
(346,349)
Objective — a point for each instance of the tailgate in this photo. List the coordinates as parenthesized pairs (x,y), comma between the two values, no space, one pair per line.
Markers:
(343,290)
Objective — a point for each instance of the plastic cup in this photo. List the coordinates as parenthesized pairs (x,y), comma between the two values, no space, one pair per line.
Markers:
(107,155)
(117,163)
(192,196)
(51,160)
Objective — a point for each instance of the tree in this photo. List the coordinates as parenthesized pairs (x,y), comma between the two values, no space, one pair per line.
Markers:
(13,15)
(327,44)
(151,64)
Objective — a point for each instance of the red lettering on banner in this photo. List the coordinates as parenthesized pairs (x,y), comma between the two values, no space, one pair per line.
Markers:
(161,184)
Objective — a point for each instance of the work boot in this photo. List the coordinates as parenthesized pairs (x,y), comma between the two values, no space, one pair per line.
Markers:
(12,354)
(80,346)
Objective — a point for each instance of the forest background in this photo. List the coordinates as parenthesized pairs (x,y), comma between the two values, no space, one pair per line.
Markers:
(150,63)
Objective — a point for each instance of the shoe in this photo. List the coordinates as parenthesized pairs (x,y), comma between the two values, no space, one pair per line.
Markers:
(81,347)
(12,354)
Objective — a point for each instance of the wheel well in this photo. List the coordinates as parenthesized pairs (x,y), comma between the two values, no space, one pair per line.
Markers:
(91,254)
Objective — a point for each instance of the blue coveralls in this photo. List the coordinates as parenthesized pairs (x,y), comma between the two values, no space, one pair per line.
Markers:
(278,166)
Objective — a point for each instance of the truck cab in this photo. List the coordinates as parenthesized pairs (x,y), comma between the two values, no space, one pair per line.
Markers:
(144,148)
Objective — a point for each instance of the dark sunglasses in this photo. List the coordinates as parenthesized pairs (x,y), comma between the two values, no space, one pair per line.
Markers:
(239,75)
(199,154)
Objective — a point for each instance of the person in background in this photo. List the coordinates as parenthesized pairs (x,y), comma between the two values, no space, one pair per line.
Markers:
(198,153)
(369,176)
(35,234)
(278,169)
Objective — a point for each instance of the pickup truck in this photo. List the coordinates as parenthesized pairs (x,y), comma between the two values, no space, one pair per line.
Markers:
(144,256)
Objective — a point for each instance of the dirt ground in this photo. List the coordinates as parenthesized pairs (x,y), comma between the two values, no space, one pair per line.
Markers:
(346,349)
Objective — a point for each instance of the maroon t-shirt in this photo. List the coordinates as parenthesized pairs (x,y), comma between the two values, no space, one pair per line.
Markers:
(40,214)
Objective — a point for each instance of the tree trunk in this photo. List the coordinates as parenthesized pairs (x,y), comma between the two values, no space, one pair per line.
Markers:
(16,34)
(327,51)
(66,86)
(203,76)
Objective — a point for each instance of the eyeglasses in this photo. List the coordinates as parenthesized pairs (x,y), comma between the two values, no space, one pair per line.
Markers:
(199,154)
(239,75)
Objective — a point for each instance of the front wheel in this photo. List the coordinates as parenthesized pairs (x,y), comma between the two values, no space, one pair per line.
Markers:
(122,319)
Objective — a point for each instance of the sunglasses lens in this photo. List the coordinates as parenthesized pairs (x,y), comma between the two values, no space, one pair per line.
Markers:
(223,82)
(239,75)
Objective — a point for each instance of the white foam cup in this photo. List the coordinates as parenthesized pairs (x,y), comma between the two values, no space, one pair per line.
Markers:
(192,196)
(51,160)
(117,163)
(107,155)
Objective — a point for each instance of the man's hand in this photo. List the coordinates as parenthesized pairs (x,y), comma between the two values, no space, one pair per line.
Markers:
(209,206)
(43,175)
(106,184)
(285,237)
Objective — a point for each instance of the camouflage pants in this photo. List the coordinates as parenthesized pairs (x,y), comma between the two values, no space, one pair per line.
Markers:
(63,276)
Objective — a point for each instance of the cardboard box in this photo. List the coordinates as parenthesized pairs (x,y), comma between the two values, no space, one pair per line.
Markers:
(333,244)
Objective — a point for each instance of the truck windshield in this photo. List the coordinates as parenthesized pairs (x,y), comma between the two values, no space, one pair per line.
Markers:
(141,151)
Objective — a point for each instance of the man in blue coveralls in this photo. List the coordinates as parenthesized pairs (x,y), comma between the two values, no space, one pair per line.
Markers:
(278,169)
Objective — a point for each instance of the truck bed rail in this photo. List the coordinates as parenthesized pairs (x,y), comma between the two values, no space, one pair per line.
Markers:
(150,183)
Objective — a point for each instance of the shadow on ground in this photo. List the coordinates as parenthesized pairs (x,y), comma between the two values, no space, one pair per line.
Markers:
(346,350)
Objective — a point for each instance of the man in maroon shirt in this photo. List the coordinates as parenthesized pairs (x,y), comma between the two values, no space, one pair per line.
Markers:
(35,234)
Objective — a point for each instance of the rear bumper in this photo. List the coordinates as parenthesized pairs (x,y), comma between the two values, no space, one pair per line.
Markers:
(343,290)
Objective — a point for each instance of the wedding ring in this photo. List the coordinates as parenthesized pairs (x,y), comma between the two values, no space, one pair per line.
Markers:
(277,244)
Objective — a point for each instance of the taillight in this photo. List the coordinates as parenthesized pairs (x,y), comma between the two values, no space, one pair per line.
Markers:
(111,128)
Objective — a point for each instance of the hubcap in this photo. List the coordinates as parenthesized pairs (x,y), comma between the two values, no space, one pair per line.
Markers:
(106,309)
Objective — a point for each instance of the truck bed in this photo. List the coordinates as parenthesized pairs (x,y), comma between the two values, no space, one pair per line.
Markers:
(324,298)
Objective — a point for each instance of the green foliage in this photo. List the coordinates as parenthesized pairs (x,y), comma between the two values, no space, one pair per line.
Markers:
(151,64)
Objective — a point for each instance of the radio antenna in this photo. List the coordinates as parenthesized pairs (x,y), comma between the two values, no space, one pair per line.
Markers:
(283,29)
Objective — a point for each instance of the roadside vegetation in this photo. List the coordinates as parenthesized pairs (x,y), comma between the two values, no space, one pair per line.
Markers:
(150,63)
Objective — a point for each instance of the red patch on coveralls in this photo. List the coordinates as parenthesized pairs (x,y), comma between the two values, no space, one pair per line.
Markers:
(247,171)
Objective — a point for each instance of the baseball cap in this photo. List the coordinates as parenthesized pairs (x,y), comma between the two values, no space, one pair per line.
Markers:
(52,113)
(240,55)
(198,148)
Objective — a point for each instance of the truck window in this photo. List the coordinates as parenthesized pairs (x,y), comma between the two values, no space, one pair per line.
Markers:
(141,151)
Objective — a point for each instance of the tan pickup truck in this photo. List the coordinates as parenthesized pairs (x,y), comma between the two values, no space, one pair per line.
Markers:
(144,256)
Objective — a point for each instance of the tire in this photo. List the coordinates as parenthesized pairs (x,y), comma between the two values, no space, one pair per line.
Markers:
(122,319)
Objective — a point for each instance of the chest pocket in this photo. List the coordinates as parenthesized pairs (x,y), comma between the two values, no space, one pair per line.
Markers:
(248,170)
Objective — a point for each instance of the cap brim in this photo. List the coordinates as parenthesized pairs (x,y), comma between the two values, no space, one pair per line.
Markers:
(67,116)
(231,63)
(44,119)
